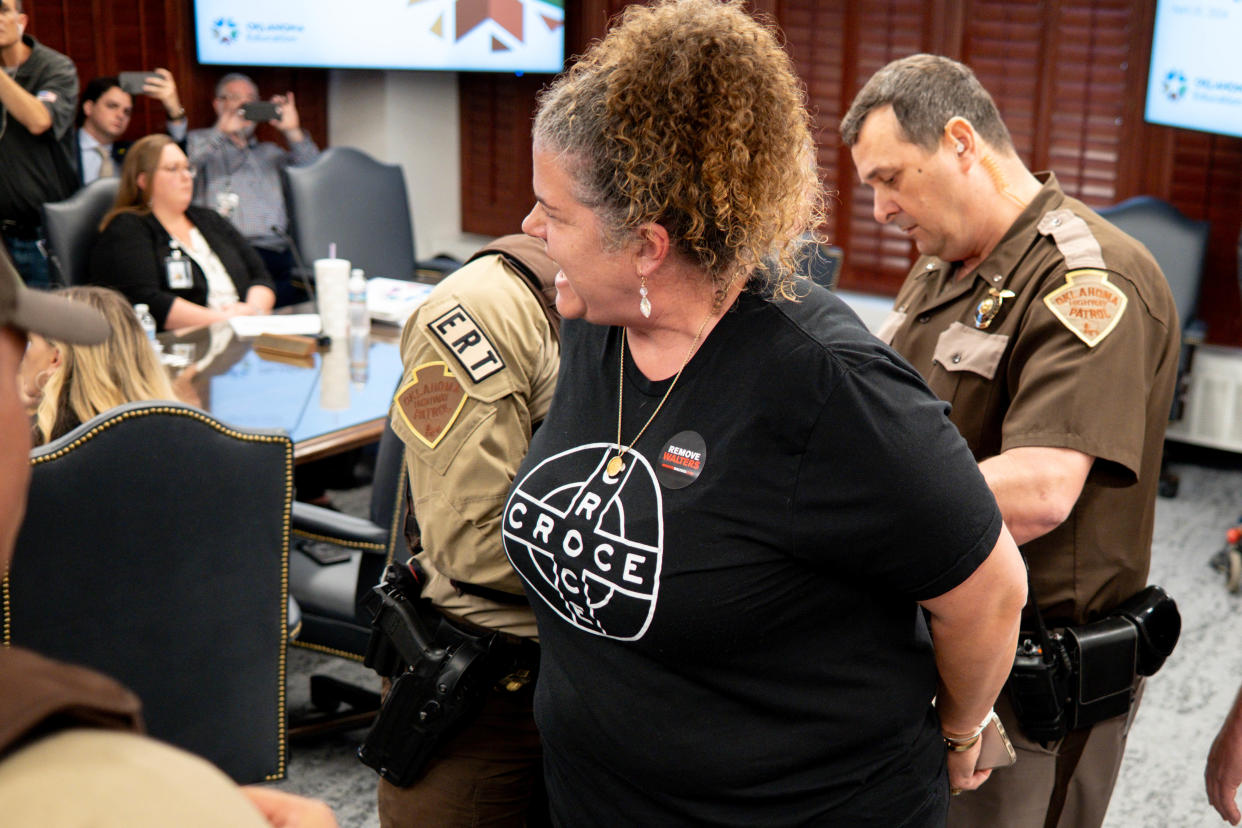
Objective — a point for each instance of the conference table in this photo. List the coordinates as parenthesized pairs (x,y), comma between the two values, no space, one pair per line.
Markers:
(328,402)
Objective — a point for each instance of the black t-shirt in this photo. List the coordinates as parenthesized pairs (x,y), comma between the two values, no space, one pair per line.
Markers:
(729,627)
(40,168)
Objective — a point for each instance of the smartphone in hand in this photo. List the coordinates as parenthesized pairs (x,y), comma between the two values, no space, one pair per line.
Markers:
(997,751)
(132,82)
(260,111)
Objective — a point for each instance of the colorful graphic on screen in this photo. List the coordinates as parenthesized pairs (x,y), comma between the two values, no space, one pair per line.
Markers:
(461,35)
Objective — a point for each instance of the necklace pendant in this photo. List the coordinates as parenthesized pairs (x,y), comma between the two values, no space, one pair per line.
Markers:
(615,466)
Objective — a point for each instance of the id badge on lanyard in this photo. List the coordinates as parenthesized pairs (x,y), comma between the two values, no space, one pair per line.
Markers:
(177,269)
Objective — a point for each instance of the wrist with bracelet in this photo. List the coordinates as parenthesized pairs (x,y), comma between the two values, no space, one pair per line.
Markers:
(962,742)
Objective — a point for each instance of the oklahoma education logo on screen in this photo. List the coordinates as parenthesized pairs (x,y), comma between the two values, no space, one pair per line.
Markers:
(1174,85)
(225,30)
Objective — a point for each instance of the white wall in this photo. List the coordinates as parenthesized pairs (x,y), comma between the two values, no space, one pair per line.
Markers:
(411,119)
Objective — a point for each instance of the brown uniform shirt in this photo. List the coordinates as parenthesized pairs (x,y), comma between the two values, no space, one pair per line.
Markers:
(1029,377)
(485,356)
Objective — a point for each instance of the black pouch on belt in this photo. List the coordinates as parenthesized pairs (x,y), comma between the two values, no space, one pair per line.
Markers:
(1105,657)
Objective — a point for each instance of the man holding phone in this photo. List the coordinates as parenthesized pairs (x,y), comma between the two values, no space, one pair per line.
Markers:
(38,94)
(239,176)
(105,111)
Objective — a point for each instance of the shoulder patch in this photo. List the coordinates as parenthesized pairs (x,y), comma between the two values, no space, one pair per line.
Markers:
(47,96)
(1088,304)
(430,402)
(459,332)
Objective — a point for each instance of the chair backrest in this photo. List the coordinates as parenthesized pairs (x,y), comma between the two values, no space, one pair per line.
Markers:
(332,595)
(155,549)
(72,226)
(1178,243)
(349,199)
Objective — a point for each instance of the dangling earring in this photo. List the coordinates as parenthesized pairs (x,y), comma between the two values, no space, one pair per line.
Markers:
(644,304)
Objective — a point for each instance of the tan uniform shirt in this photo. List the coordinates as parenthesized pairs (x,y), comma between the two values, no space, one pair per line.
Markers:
(1080,352)
(485,358)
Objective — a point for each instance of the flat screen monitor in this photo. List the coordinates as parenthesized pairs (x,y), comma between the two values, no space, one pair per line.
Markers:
(1195,78)
(450,35)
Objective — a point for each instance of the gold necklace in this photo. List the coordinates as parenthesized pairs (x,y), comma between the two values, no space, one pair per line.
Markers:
(616,465)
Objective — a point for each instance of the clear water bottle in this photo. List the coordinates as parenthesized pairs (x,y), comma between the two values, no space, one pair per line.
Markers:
(359,319)
(359,327)
(147,321)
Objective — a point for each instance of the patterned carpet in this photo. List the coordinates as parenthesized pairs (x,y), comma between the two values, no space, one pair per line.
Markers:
(1161,784)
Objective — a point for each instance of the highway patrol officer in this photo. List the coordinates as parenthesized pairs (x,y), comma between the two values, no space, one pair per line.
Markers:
(481,357)
(1055,338)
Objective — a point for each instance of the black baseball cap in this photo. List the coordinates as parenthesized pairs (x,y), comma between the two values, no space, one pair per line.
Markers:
(46,314)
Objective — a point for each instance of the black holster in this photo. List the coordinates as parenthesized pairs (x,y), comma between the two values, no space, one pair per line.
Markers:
(441,670)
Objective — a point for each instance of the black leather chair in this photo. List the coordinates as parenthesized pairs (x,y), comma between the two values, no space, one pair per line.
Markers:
(349,199)
(72,225)
(1179,245)
(155,549)
(335,561)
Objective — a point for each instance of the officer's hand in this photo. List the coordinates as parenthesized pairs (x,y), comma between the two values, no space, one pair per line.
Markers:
(962,773)
(283,810)
(1223,773)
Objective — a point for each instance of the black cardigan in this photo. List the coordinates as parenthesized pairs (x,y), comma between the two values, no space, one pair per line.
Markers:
(129,256)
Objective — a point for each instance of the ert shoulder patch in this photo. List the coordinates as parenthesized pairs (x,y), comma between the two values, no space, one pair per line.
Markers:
(430,402)
(459,332)
(1088,304)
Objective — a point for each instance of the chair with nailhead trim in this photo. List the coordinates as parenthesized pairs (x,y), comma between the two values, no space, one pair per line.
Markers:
(155,550)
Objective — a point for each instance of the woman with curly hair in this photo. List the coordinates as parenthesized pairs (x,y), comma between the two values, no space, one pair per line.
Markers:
(743,513)
(67,384)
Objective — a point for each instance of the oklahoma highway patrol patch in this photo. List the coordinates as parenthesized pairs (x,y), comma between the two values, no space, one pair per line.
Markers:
(430,402)
(1088,304)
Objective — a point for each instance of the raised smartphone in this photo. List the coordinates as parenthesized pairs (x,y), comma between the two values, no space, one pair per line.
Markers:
(132,82)
(260,111)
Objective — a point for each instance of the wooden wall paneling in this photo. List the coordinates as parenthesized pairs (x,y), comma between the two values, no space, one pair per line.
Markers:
(877,256)
(815,36)
(1145,162)
(1003,43)
(496,111)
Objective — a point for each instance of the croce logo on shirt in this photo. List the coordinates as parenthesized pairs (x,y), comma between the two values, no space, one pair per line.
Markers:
(570,531)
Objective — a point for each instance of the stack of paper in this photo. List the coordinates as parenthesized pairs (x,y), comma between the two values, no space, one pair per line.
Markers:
(393,300)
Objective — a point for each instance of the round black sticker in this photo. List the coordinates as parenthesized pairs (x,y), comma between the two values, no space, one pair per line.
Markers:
(681,460)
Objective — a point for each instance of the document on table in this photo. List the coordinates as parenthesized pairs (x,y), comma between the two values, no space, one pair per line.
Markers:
(393,300)
(277,323)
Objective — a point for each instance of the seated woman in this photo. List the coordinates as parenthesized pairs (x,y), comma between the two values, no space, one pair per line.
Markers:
(188,264)
(66,385)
